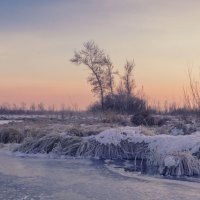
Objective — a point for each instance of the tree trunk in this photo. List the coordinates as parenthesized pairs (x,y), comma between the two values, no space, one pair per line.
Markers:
(102,100)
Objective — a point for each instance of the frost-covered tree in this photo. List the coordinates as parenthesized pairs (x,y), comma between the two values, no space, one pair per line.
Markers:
(95,59)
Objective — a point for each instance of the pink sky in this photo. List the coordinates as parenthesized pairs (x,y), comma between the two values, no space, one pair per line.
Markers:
(162,37)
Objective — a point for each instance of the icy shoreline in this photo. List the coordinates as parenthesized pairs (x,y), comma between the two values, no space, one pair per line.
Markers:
(157,154)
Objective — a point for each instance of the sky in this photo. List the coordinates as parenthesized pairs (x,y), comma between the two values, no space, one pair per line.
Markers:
(38,38)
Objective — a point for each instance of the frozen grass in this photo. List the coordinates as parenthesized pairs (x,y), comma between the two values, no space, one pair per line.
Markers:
(181,163)
(163,154)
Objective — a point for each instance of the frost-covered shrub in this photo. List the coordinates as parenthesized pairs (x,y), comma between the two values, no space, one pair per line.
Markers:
(44,144)
(120,103)
(51,143)
(180,164)
(182,129)
(75,132)
(11,136)
(112,117)
(143,118)
(147,119)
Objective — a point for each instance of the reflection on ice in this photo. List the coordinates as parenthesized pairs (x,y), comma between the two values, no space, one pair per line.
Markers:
(78,179)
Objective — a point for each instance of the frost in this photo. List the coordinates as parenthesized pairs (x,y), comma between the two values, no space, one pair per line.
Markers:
(173,155)
(164,144)
(170,161)
(164,154)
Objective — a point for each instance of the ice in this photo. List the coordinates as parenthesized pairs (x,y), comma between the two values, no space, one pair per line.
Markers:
(83,179)
(2,122)
(170,161)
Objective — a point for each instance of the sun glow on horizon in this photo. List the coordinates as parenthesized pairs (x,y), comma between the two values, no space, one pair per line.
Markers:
(162,37)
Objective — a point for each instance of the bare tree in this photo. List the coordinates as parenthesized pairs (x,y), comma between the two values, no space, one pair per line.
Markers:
(41,107)
(120,88)
(109,75)
(194,90)
(32,107)
(128,77)
(94,58)
(192,93)
(23,106)
(15,107)
(187,100)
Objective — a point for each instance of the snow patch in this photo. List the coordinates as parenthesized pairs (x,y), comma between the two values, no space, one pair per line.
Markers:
(164,144)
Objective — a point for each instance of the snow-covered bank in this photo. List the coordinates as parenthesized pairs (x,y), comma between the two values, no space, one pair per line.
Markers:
(163,154)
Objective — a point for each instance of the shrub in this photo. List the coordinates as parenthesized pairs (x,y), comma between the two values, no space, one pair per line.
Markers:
(10,136)
(120,103)
(142,118)
(111,117)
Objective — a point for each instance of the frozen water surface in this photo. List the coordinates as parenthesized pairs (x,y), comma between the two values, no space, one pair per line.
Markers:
(2,122)
(26,178)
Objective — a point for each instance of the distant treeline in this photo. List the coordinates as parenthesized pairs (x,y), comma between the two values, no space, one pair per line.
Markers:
(136,104)
(39,109)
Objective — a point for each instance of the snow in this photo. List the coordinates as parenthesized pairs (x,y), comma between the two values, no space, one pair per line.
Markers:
(115,136)
(170,161)
(175,131)
(171,155)
(164,144)
(2,122)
